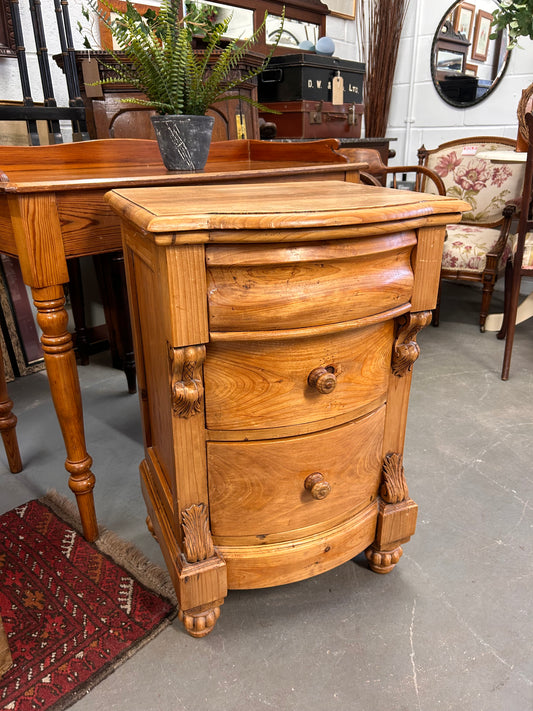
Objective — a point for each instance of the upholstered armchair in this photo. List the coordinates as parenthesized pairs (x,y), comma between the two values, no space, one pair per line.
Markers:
(477,249)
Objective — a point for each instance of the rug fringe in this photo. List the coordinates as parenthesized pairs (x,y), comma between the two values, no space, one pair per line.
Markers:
(120,551)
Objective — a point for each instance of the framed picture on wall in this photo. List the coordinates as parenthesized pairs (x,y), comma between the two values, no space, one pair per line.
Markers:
(342,8)
(481,36)
(464,19)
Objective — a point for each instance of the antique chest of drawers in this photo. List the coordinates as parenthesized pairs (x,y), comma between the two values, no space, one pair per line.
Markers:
(275,333)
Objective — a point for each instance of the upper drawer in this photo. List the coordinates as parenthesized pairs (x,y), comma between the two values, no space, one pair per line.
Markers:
(285,286)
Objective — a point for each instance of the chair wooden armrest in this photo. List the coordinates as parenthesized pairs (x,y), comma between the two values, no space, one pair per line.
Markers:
(376,173)
(423,176)
(494,255)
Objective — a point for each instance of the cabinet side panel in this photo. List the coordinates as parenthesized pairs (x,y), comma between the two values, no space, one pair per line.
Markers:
(165,317)
(427,258)
(185,267)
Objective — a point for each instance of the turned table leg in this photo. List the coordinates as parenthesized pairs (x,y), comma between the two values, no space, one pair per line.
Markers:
(8,422)
(62,373)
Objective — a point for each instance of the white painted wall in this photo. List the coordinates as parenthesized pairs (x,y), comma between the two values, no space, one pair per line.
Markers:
(418,115)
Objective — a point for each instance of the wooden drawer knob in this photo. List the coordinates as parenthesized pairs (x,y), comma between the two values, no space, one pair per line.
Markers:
(317,485)
(323,379)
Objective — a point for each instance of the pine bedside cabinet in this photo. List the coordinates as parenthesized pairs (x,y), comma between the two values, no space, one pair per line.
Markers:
(275,333)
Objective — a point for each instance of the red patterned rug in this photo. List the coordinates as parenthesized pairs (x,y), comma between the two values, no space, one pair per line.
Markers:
(71,613)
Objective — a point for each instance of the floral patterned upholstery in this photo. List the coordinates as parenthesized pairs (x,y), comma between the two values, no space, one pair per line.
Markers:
(485,185)
(466,248)
(477,249)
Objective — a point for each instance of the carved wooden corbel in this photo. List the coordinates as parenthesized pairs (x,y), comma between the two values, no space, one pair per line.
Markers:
(186,379)
(197,542)
(406,350)
(393,486)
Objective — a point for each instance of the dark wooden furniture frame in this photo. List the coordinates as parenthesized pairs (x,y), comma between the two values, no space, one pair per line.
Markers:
(453,42)
(514,270)
(313,11)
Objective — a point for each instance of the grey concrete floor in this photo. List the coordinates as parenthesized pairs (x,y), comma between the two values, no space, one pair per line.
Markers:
(449,628)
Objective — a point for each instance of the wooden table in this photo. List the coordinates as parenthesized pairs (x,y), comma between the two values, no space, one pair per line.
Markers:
(53,209)
(275,336)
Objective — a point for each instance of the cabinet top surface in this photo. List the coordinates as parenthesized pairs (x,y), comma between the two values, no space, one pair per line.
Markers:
(288,206)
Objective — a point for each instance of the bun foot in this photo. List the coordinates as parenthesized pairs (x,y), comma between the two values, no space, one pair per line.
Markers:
(199,624)
(383,561)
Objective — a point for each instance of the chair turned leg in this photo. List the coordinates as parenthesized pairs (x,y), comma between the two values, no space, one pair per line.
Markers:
(8,423)
(486,298)
(506,300)
(77,302)
(509,336)
(511,308)
(112,279)
(435,318)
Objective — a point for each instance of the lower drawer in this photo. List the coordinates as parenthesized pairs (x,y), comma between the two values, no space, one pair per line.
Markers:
(258,489)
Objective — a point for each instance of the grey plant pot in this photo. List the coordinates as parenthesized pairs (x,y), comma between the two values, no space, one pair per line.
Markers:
(183,140)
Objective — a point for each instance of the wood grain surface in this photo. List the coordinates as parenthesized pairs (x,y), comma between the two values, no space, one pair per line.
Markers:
(301,299)
(257,488)
(258,384)
(298,206)
(295,286)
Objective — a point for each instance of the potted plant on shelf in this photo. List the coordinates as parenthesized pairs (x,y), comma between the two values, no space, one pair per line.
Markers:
(154,53)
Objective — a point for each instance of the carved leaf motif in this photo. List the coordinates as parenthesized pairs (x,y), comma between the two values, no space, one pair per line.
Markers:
(406,349)
(197,540)
(186,374)
(393,487)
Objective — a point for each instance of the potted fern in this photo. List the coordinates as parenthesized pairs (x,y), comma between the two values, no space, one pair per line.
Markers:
(154,53)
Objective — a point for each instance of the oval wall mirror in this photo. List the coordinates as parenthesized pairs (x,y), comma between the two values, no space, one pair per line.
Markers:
(466,65)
